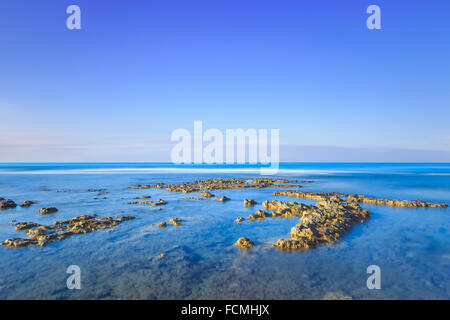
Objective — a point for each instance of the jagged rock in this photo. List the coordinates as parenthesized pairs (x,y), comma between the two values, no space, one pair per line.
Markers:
(244,243)
(239,220)
(48,210)
(7,203)
(249,202)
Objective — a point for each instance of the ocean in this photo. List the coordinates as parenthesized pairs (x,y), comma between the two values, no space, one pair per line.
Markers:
(411,246)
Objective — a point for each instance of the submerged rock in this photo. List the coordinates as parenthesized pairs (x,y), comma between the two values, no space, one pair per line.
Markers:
(48,210)
(7,203)
(244,243)
(41,235)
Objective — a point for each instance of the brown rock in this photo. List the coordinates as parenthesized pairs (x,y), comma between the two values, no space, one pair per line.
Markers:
(244,243)
(48,210)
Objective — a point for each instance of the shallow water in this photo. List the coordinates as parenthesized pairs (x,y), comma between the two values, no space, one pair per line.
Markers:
(410,245)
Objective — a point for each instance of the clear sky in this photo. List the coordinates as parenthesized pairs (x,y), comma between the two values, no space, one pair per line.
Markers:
(137,70)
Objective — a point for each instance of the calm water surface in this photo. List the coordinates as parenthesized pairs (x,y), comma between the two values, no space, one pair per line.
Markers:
(411,246)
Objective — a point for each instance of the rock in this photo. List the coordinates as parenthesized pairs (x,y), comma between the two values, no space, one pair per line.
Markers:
(7,203)
(206,194)
(326,222)
(249,202)
(162,224)
(48,210)
(222,199)
(41,235)
(157,203)
(244,243)
(28,203)
(175,221)
(239,220)
(220,184)
(360,198)
(258,215)
(162,255)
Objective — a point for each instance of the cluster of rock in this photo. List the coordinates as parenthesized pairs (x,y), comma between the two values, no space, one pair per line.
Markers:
(41,235)
(221,184)
(326,222)
(359,198)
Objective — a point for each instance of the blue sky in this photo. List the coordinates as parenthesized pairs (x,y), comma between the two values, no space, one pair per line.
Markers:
(137,70)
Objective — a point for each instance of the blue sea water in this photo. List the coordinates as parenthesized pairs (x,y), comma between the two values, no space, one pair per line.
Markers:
(410,245)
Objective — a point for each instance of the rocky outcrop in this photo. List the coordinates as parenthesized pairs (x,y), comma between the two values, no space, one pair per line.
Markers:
(395,202)
(326,222)
(221,184)
(48,210)
(249,202)
(7,203)
(244,243)
(359,198)
(42,235)
(239,220)
(162,224)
